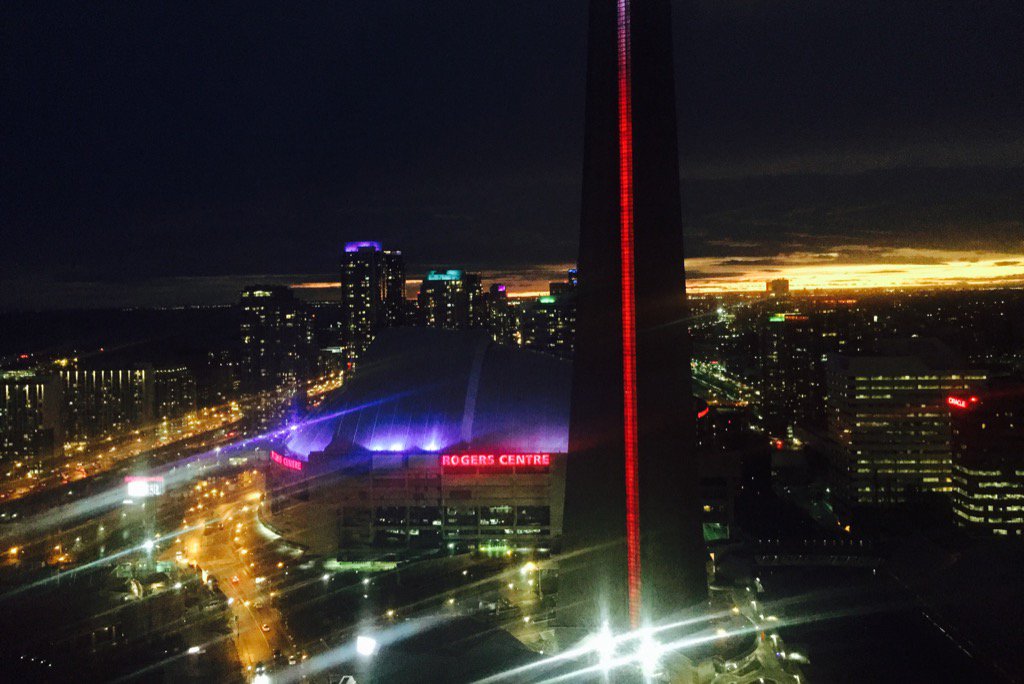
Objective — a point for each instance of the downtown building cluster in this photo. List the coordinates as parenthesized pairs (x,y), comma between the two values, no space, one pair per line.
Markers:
(47,411)
(373,294)
(858,387)
(405,497)
(275,350)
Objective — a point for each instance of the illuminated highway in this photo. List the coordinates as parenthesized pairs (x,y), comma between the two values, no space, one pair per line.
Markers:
(205,428)
(195,431)
(719,387)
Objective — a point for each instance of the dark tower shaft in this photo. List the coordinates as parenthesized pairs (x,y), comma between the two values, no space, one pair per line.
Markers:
(632,525)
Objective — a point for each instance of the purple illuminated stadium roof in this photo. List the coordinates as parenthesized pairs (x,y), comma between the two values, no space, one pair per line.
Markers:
(423,390)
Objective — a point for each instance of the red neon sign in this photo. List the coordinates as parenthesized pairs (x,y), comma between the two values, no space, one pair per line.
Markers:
(289,463)
(500,460)
(703,412)
(625,98)
(961,403)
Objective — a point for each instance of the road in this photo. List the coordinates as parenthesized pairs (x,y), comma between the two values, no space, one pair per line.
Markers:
(719,387)
(226,550)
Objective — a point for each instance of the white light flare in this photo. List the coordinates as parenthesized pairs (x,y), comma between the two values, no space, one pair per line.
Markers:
(366,646)
(603,644)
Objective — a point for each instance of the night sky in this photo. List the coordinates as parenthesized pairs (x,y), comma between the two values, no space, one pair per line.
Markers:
(166,152)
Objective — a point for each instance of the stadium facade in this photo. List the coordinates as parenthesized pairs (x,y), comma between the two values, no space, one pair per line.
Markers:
(443,439)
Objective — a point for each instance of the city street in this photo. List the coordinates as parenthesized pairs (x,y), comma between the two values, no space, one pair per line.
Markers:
(225,548)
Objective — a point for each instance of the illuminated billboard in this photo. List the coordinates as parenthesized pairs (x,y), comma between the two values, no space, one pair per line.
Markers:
(496,460)
(140,487)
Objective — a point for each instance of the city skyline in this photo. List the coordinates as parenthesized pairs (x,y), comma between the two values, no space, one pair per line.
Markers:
(621,341)
(842,268)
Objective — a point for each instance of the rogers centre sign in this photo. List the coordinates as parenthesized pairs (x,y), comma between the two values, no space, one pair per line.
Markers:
(289,463)
(500,460)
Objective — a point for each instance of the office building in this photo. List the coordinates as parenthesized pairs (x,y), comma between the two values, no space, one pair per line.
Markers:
(888,424)
(564,286)
(988,458)
(329,323)
(30,416)
(174,393)
(502,318)
(223,378)
(777,289)
(549,324)
(104,402)
(792,373)
(372,292)
(452,299)
(276,338)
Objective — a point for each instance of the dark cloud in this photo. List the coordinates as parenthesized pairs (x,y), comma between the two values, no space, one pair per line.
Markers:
(152,141)
(967,209)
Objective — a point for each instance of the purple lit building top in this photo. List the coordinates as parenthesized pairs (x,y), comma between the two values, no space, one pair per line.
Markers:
(366,244)
(430,390)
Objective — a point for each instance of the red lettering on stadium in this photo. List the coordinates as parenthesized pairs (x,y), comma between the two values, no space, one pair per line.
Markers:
(499,460)
(290,463)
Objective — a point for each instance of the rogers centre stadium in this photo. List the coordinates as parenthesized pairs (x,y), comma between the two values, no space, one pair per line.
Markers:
(442,439)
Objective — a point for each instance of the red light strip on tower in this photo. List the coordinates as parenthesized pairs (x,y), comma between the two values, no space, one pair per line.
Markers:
(628,314)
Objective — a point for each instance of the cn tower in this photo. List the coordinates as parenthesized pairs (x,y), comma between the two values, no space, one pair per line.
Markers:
(633,550)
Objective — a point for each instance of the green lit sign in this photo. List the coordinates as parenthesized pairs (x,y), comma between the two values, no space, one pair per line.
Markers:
(783,317)
(546,300)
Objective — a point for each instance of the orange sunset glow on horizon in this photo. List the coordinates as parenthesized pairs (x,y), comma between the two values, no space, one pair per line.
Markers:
(854,268)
